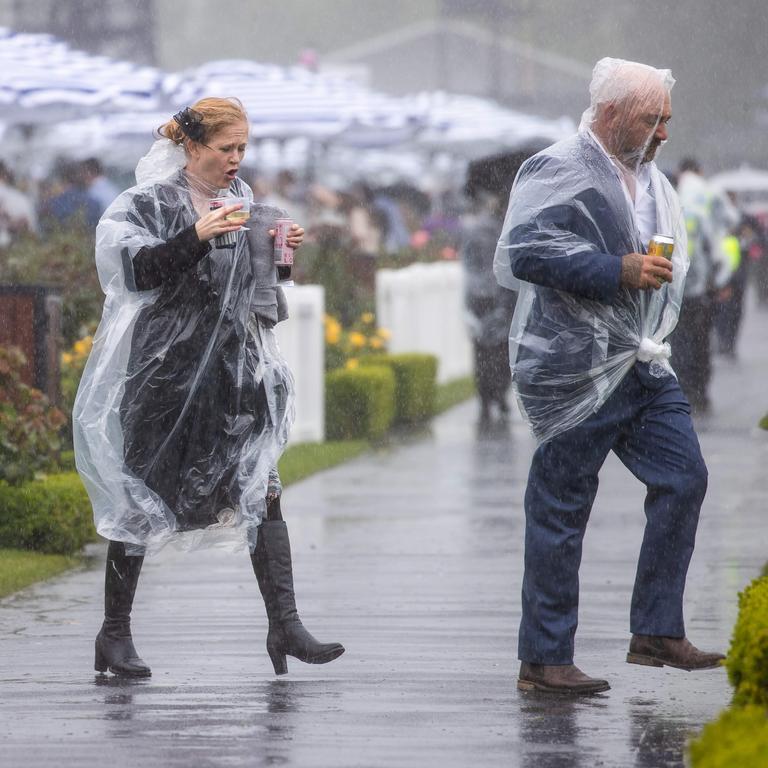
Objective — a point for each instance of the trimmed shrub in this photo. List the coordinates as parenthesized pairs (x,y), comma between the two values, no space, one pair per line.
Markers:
(747,661)
(63,258)
(52,515)
(737,739)
(29,425)
(415,384)
(359,402)
(763,423)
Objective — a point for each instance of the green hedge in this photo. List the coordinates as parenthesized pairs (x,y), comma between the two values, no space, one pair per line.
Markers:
(737,739)
(52,515)
(763,423)
(415,384)
(359,402)
(747,661)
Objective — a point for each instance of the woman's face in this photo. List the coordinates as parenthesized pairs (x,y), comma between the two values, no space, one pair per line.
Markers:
(218,161)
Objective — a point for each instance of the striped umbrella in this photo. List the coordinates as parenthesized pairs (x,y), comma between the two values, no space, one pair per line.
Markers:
(42,79)
(286,102)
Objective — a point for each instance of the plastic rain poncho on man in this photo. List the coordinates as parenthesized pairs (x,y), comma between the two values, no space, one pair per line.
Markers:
(576,209)
(185,403)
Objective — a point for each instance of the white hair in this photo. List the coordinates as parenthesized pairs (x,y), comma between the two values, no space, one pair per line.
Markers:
(615,80)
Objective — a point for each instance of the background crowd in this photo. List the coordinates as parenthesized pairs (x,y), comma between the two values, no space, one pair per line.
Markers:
(46,232)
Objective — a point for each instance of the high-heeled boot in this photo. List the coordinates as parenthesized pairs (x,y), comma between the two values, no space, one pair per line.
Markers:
(274,573)
(114,645)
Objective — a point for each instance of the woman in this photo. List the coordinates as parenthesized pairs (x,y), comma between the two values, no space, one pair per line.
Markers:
(185,403)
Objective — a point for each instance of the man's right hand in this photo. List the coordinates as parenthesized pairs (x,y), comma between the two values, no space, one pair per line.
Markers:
(640,270)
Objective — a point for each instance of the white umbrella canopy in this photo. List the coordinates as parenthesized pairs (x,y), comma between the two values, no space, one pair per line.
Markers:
(749,186)
(744,179)
(473,127)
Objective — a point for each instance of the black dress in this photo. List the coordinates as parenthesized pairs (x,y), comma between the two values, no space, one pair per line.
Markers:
(205,401)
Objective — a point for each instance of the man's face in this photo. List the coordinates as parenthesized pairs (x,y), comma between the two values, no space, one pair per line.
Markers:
(640,126)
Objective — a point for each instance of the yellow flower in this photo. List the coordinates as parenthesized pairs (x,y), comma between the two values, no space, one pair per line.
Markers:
(376,343)
(352,363)
(332,330)
(66,358)
(81,348)
(383,333)
(367,317)
(356,339)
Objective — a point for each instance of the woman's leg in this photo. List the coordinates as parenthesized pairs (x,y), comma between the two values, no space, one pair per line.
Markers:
(272,565)
(114,645)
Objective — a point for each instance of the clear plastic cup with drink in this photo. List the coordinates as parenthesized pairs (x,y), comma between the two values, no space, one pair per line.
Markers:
(241,215)
(228,239)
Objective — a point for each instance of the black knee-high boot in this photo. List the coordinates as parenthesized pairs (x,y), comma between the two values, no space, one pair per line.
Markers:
(274,573)
(114,645)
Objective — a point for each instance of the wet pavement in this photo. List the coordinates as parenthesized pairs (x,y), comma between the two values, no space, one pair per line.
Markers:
(411,556)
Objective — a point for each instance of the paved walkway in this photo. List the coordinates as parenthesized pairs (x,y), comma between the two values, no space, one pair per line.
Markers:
(411,557)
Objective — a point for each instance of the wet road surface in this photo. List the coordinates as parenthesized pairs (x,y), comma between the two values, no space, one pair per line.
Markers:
(412,557)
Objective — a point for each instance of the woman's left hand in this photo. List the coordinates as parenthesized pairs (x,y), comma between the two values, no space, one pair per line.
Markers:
(295,236)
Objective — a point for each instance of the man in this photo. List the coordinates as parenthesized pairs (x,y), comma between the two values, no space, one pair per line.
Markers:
(17,213)
(72,205)
(590,370)
(709,217)
(98,186)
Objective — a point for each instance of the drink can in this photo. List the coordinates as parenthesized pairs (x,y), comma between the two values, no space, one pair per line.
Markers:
(283,252)
(228,239)
(661,245)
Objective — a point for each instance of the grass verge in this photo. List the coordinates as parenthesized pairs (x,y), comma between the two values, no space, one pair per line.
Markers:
(20,568)
(454,392)
(304,459)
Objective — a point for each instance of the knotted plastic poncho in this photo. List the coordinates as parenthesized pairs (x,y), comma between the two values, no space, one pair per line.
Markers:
(576,208)
(185,403)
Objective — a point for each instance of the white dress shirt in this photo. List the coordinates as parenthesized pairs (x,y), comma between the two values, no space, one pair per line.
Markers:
(638,192)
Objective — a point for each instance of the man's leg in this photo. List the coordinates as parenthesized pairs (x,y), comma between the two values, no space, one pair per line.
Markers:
(562,484)
(663,452)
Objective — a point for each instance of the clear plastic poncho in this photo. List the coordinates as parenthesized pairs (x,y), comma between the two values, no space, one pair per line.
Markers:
(185,403)
(576,208)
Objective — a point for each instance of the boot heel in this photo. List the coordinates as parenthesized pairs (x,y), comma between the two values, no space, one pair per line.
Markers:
(647,661)
(279,661)
(100,664)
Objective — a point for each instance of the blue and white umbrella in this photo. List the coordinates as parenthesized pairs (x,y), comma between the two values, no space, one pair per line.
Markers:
(42,79)
(288,102)
(44,82)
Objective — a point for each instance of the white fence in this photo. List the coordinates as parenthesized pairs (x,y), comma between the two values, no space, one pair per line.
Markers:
(302,342)
(422,306)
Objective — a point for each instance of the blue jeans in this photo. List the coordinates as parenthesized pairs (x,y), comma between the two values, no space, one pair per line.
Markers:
(646,421)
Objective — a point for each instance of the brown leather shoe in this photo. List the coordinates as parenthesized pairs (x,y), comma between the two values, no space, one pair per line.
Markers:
(657,651)
(559,678)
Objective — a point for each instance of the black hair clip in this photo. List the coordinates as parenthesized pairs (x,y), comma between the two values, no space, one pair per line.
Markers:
(191,123)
